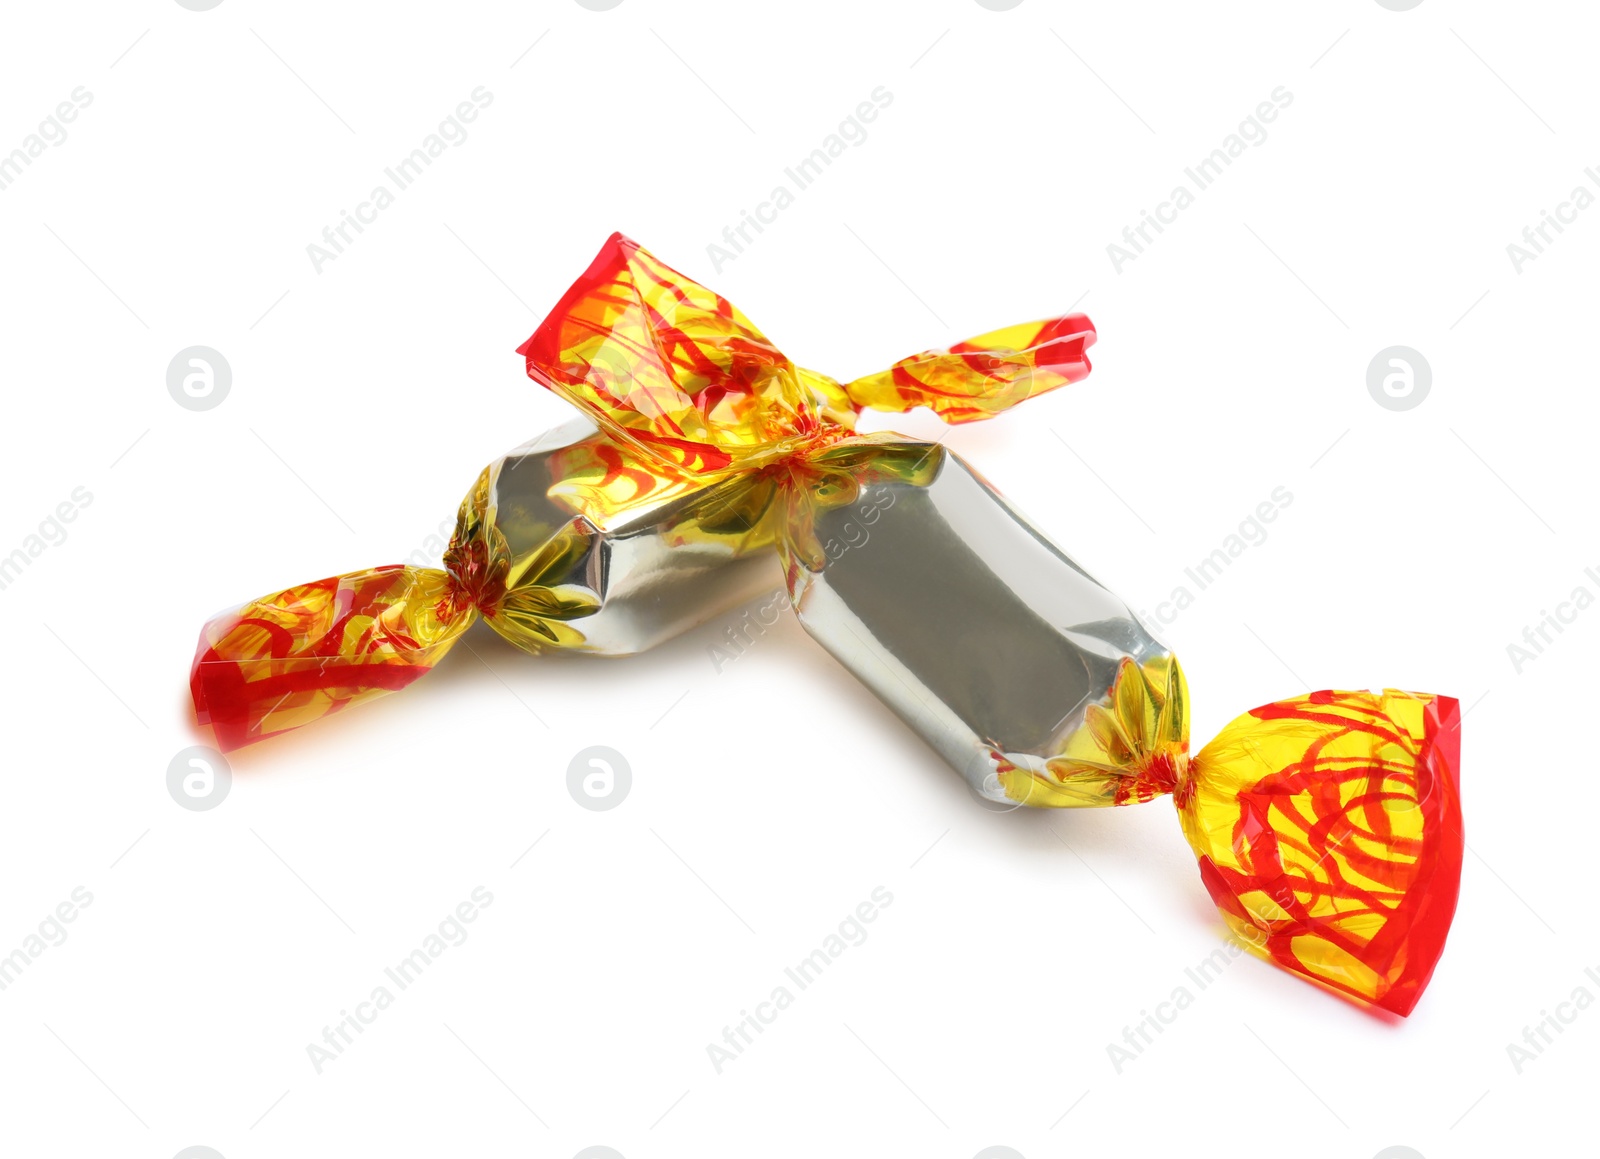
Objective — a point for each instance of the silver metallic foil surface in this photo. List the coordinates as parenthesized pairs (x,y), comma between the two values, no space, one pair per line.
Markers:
(964,618)
(652,568)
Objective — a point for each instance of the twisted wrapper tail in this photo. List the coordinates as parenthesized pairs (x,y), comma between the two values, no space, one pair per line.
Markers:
(1327,827)
(1328,831)
(678,371)
(294,656)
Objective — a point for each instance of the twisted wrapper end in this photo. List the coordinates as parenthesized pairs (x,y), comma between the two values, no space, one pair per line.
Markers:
(676,375)
(1327,827)
(294,656)
(979,378)
(1328,830)
(300,654)
(681,375)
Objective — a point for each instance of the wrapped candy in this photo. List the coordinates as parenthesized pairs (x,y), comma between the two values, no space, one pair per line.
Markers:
(568,542)
(1327,827)
(594,538)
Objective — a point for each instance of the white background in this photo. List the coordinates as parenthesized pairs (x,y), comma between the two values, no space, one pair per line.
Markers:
(771,798)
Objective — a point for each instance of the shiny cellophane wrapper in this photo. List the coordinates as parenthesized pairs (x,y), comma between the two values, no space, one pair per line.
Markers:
(1327,828)
(602,538)
(566,544)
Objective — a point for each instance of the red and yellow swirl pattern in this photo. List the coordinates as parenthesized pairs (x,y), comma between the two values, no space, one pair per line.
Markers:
(678,371)
(295,656)
(688,394)
(1327,827)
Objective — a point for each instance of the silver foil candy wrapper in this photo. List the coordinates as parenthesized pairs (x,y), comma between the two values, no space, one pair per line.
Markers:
(961,615)
(561,545)
(649,570)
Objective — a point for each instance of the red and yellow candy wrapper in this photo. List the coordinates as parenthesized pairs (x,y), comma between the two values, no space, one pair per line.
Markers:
(566,543)
(607,541)
(1327,827)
